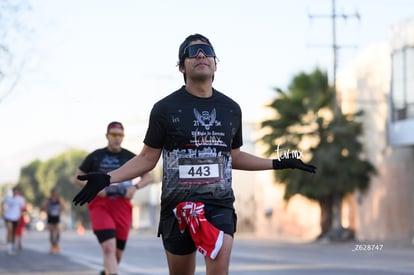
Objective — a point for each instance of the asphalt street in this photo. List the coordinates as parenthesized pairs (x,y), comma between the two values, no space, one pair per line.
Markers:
(144,255)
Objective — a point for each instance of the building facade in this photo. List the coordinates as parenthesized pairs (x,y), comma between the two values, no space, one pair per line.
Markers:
(380,81)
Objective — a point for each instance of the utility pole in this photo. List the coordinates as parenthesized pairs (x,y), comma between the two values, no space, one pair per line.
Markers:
(335,47)
(335,56)
(337,229)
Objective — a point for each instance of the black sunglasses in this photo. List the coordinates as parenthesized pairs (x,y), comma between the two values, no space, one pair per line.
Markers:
(193,50)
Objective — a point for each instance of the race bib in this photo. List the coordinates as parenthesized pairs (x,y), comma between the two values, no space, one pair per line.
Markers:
(200,170)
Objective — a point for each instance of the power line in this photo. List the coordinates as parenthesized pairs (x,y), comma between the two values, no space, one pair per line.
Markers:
(335,47)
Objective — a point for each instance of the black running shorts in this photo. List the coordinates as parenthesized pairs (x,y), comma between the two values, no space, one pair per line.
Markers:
(178,243)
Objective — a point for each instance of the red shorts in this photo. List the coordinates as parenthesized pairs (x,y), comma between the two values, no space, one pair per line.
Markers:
(111,213)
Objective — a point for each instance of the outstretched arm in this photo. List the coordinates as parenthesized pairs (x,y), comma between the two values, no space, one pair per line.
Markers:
(135,167)
(142,163)
(245,161)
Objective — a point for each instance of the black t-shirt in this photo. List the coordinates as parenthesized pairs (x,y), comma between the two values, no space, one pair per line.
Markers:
(103,160)
(196,136)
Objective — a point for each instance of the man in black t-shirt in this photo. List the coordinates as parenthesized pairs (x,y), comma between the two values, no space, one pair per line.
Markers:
(111,211)
(198,132)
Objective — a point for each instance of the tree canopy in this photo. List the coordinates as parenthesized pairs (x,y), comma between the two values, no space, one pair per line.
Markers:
(39,177)
(304,120)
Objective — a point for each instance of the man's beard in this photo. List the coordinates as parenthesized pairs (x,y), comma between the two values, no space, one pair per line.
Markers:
(201,77)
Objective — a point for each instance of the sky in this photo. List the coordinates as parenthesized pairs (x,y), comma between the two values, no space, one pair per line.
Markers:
(84,63)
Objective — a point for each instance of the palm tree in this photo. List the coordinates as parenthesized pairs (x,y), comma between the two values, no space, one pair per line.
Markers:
(304,119)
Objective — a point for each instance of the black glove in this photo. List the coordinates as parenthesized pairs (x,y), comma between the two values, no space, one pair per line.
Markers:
(96,182)
(115,190)
(292,162)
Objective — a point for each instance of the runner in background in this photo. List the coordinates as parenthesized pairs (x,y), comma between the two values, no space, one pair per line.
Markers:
(54,206)
(111,211)
(21,225)
(11,208)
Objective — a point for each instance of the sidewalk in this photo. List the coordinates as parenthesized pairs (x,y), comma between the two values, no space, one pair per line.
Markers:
(32,262)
